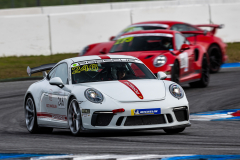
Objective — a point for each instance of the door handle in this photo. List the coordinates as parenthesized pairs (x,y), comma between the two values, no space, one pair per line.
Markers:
(46,94)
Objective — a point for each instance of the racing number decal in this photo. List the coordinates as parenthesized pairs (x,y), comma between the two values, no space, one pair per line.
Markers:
(78,69)
(184,61)
(60,101)
(122,40)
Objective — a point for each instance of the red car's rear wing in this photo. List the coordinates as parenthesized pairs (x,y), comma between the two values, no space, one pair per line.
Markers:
(214,26)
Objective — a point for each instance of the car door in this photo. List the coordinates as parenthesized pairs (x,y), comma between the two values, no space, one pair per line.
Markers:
(186,57)
(56,99)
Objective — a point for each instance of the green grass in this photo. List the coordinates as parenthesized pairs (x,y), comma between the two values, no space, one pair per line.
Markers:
(35,3)
(13,68)
(233,52)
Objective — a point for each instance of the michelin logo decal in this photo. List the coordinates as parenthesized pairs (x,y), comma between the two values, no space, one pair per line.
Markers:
(145,111)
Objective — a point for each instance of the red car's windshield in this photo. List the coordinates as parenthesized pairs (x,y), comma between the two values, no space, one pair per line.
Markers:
(143,42)
(133,28)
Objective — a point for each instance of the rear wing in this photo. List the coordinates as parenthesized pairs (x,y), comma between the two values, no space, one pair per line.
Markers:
(213,26)
(41,68)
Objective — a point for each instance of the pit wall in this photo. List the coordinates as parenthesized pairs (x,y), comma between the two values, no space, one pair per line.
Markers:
(64,29)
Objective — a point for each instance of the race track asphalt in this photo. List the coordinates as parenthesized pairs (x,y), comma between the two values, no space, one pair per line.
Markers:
(203,137)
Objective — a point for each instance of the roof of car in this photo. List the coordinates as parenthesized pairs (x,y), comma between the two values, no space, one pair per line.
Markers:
(170,23)
(87,58)
(151,31)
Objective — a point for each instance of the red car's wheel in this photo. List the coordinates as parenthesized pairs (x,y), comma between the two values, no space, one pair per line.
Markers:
(215,58)
(204,81)
(175,72)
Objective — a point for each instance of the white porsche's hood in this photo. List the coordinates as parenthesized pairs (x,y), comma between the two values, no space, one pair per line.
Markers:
(131,90)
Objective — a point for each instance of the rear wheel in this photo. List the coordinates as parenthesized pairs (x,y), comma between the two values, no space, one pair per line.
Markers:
(31,118)
(175,72)
(204,81)
(74,117)
(215,57)
(174,131)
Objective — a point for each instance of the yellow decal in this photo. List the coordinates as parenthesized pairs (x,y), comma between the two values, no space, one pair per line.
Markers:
(132,112)
(78,69)
(122,40)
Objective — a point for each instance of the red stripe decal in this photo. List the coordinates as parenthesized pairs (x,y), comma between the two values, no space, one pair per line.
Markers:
(104,57)
(53,116)
(132,87)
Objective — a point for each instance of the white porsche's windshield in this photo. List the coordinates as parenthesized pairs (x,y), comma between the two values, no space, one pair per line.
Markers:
(109,71)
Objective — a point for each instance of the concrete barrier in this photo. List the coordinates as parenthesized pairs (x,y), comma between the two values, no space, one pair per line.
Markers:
(20,11)
(24,35)
(227,14)
(192,14)
(76,8)
(142,4)
(72,32)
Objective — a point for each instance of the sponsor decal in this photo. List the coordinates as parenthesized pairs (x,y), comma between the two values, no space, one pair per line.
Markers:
(51,106)
(52,116)
(104,57)
(132,87)
(135,112)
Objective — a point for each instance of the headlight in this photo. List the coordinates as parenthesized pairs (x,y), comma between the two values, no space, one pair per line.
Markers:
(160,61)
(85,49)
(176,91)
(94,95)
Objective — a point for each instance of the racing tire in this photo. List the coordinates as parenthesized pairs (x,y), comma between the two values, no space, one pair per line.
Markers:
(74,117)
(175,72)
(174,131)
(31,118)
(215,57)
(204,81)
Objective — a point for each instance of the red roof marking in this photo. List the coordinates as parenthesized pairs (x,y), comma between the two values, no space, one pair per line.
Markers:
(132,87)
(104,57)
(236,114)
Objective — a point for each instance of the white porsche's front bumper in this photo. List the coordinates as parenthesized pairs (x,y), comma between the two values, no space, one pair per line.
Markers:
(124,120)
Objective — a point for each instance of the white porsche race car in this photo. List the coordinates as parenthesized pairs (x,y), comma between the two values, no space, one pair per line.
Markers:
(104,93)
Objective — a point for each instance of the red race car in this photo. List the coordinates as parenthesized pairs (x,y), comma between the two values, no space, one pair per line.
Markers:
(168,51)
(215,47)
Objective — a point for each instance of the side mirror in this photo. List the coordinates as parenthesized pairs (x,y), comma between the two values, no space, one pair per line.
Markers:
(184,47)
(111,38)
(103,51)
(56,81)
(161,75)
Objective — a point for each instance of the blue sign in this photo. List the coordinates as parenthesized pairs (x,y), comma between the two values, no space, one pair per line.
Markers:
(146,111)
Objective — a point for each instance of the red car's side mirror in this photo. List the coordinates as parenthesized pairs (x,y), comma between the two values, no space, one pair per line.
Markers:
(111,38)
(103,51)
(184,47)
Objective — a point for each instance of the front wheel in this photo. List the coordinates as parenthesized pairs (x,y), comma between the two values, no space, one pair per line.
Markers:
(174,131)
(74,117)
(175,72)
(204,81)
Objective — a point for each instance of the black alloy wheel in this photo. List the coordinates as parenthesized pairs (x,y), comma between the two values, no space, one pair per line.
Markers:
(175,72)
(204,81)
(215,57)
